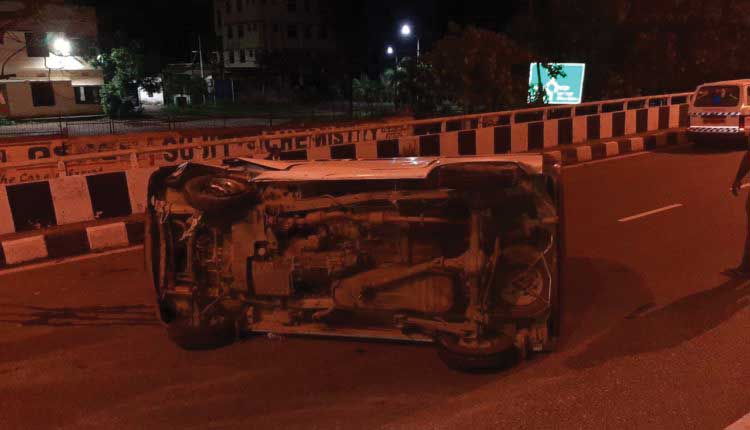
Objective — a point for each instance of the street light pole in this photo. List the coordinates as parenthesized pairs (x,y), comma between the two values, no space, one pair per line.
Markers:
(200,56)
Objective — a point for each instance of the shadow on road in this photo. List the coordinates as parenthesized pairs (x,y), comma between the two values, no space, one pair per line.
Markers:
(668,326)
(92,316)
(595,293)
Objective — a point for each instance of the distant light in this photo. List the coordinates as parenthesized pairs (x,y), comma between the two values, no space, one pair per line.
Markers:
(405,30)
(62,46)
(389,50)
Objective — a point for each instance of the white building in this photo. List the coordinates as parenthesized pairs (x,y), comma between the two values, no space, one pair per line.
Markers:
(42,72)
(248,27)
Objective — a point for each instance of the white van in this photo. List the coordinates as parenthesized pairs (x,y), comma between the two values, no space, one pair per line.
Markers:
(718,111)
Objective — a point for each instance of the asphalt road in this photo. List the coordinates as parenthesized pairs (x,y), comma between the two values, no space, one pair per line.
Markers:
(654,336)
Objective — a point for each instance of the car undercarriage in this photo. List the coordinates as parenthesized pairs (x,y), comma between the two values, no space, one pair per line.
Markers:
(466,256)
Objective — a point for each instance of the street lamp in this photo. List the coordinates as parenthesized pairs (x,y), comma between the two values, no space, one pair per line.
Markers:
(391,52)
(406,33)
(62,47)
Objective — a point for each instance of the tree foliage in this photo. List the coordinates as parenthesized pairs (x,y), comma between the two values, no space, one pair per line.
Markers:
(122,69)
(637,47)
(474,68)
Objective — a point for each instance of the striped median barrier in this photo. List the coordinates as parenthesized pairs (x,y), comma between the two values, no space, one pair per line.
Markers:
(120,197)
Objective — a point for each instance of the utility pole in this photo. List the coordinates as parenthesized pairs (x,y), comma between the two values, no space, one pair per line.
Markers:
(200,56)
(200,59)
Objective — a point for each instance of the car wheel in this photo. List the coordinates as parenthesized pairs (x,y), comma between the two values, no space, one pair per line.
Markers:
(215,193)
(200,336)
(479,356)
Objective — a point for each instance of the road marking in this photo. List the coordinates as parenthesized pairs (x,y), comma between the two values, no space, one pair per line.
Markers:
(644,214)
(741,424)
(68,260)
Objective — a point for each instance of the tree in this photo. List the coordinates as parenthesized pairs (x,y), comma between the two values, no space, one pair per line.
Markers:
(180,83)
(474,68)
(418,86)
(122,69)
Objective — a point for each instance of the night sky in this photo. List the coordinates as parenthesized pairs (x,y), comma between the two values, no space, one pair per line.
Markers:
(168,30)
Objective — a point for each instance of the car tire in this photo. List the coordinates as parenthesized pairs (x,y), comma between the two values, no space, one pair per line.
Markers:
(200,194)
(499,353)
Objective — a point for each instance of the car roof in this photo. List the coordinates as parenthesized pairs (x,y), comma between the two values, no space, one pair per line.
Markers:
(388,168)
(732,82)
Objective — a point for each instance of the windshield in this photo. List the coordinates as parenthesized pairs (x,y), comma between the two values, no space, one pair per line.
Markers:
(717,96)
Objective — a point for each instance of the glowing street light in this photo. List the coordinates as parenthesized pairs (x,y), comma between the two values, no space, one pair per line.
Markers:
(406,33)
(62,46)
(391,52)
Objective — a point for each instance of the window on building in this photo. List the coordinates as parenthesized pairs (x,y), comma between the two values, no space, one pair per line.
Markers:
(308,32)
(292,5)
(239,5)
(231,57)
(36,45)
(88,95)
(243,58)
(230,32)
(322,32)
(240,31)
(42,94)
(291,31)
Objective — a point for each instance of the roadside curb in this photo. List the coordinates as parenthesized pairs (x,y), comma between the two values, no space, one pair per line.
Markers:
(615,147)
(56,244)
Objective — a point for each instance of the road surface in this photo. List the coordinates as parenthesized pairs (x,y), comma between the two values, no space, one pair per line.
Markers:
(654,336)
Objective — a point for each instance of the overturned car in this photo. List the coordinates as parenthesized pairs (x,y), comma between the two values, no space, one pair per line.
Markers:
(463,252)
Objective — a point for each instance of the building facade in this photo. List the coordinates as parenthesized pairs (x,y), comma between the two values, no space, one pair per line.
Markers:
(246,28)
(42,72)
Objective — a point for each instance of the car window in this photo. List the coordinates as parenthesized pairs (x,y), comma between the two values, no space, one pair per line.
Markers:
(717,96)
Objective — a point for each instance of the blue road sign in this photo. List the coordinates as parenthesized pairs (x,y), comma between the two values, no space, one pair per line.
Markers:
(563,90)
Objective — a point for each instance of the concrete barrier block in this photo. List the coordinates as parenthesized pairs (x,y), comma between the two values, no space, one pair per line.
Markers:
(137,180)
(71,199)
(605,125)
(579,129)
(550,133)
(519,138)
(583,153)
(6,216)
(449,144)
(26,249)
(367,150)
(318,153)
(653,119)
(636,144)
(630,121)
(674,116)
(408,147)
(485,141)
(611,149)
(107,236)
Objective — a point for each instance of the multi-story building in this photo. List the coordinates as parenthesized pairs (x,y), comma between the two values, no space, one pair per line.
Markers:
(245,28)
(42,73)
